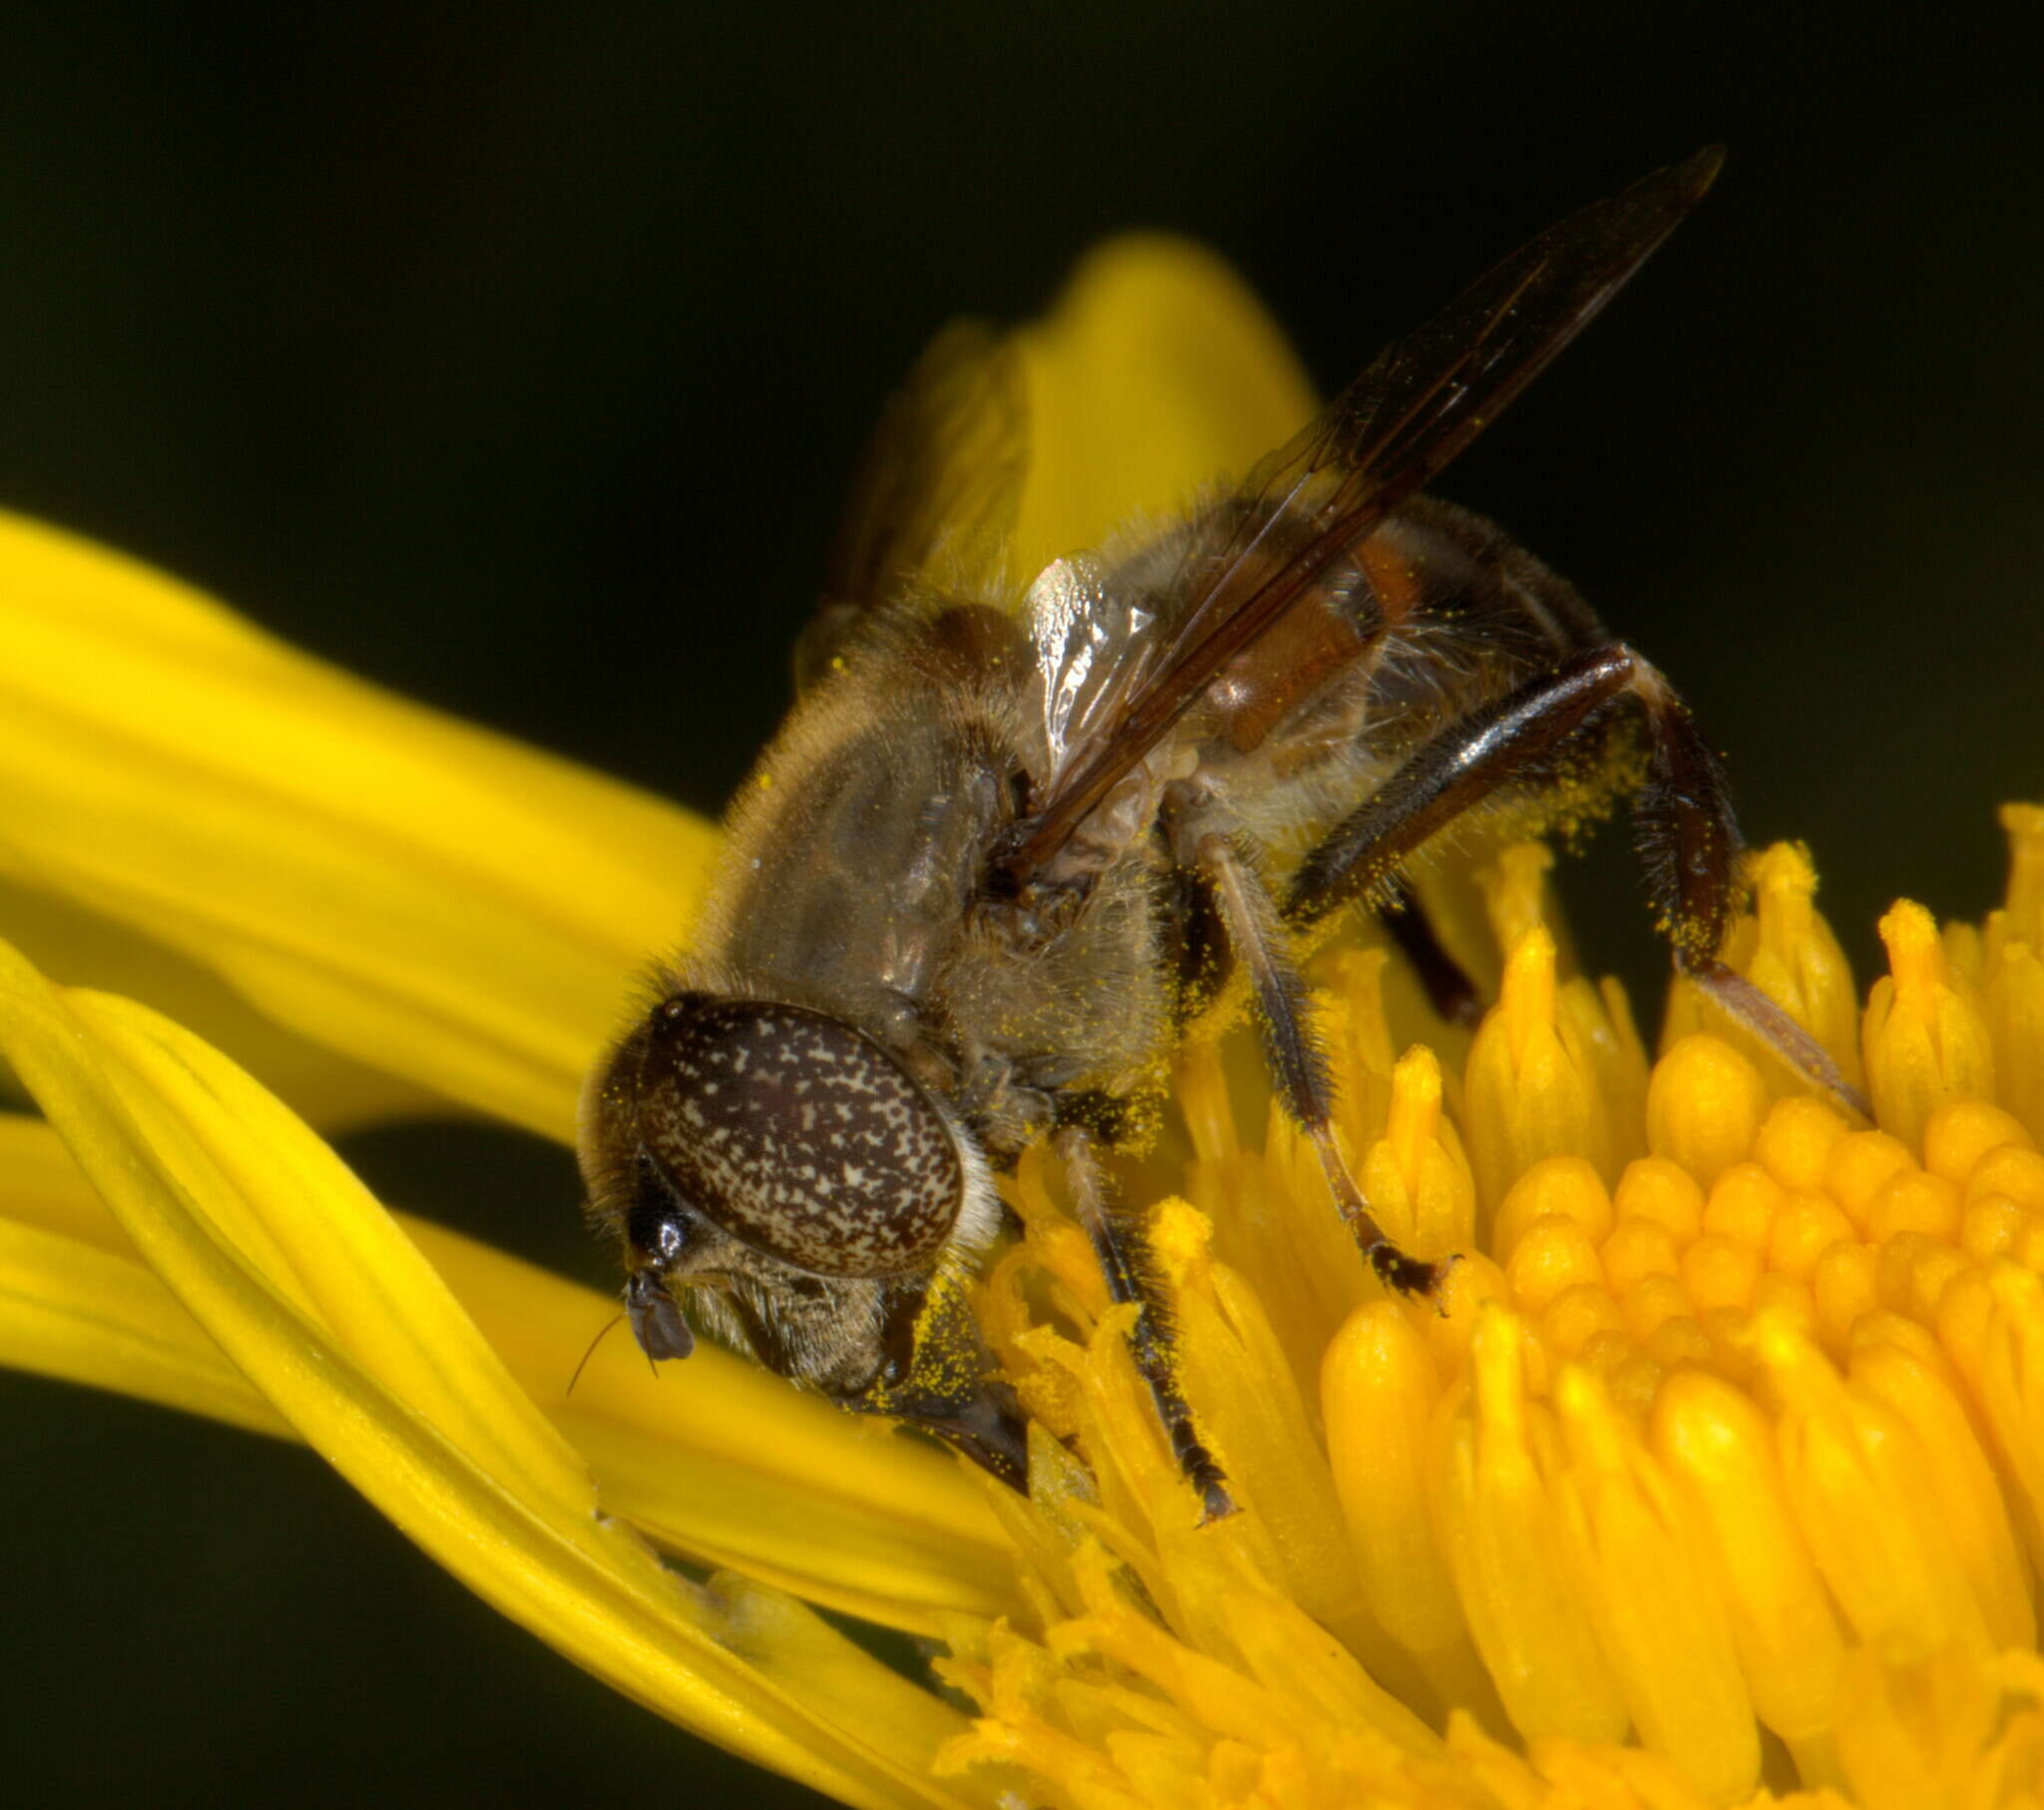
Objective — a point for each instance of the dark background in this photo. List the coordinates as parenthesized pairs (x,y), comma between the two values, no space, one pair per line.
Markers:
(514,356)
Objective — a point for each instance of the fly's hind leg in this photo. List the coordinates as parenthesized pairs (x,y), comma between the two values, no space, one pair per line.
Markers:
(1294,1059)
(1687,840)
(1451,993)
(1124,1258)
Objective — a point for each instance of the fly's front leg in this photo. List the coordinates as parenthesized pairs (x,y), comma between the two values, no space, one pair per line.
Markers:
(1687,840)
(1257,939)
(1125,1262)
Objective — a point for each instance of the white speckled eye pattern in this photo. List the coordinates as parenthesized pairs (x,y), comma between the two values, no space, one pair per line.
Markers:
(799,1135)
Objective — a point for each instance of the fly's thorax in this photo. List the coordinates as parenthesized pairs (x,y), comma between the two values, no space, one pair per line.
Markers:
(1067,994)
(855,848)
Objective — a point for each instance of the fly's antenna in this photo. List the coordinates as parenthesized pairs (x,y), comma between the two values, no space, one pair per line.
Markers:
(602,1333)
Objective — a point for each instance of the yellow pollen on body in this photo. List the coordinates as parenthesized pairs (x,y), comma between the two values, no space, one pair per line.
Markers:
(1724,1436)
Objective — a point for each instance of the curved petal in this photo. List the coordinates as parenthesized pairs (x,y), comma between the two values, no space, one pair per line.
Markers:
(82,947)
(716,1461)
(732,1466)
(70,1310)
(354,1339)
(428,898)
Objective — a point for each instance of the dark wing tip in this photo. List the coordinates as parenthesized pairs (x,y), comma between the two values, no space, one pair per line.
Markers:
(1696,172)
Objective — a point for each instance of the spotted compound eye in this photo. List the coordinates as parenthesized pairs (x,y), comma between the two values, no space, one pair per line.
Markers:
(798,1135)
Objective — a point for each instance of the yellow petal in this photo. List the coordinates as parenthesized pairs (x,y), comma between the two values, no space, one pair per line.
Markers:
(1858,1478)
(1415,1177)
(1654,1594)
(2021,918)
(71,1311)
(1926,1044)
(427,898)
(722,1463)
(41,1186)
(83,948)
(732,1466)
(314,1297)
(2010,1385)
(2015,1022)
(1719,1450)
(1500,1529)
(1568,1186)
(1533,1083)
(1899,1364)
(1941,1727)
(1379,1391)
(1155,374)
(1236,1374)
(1705,1107)
(1797,962)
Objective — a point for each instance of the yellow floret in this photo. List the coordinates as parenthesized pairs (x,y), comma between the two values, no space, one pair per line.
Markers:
(1725,1439)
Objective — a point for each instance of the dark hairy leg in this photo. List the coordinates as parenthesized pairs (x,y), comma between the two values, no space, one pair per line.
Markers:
(1687,837)
(1451,993)
(1259,941)
(1117,1244)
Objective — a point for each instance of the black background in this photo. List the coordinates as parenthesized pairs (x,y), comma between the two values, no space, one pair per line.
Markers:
(514,356)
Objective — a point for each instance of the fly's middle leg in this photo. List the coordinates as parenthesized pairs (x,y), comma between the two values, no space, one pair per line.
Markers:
(1296,1065)
(1123,1257)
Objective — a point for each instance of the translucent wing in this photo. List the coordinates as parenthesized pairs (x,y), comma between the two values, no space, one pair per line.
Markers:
(1119,668)
(938,485)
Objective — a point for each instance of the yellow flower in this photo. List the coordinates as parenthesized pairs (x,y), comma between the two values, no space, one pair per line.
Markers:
(1720,1471)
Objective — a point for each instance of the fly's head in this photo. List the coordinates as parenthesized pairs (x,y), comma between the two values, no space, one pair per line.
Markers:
(823,1202)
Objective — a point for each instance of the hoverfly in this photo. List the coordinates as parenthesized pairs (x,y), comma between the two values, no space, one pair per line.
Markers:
(1006,848)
